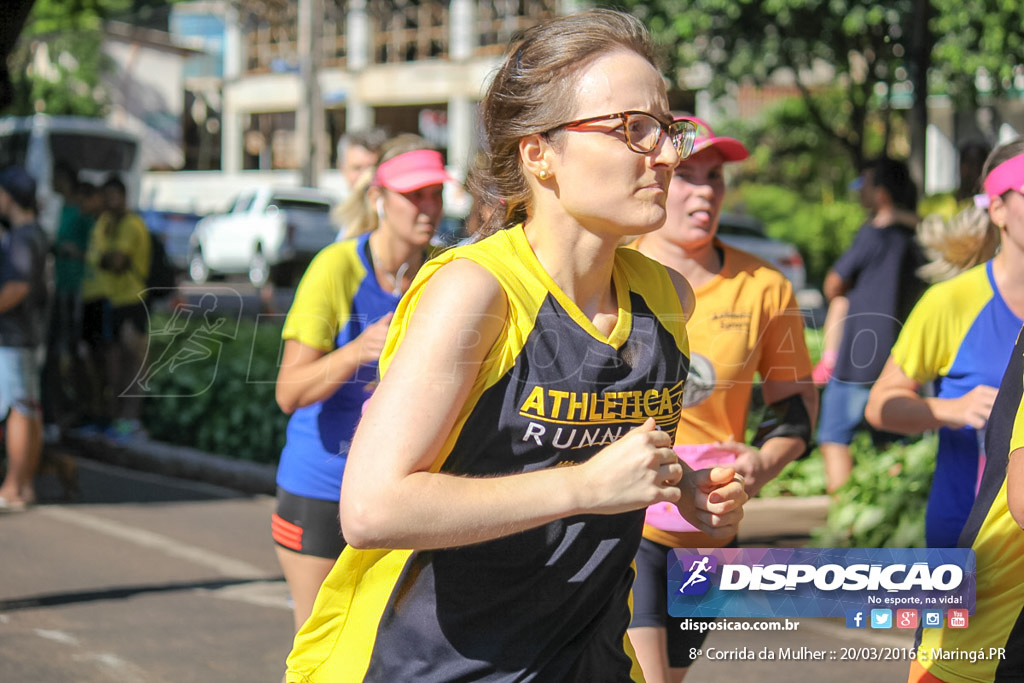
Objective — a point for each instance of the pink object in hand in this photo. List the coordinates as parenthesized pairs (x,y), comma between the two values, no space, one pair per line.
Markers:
(666,516)
(822,372)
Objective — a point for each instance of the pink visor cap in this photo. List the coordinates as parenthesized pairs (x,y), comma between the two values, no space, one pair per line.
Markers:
(730,148)
(1008,175)
(412,171)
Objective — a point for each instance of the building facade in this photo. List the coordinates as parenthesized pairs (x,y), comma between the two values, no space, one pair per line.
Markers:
(407,65)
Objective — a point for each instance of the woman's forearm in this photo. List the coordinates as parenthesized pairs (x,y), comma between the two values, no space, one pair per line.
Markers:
(310,382)
(907,414)
(428,510)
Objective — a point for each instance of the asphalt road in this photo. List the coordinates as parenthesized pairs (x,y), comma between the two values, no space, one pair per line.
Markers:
(145,579)
(149,579)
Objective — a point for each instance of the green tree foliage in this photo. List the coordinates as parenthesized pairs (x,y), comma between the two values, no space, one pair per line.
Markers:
(58,64)
(786,151)
(883,503)
(47,76)
(982,36)
(821,231)
(863,48)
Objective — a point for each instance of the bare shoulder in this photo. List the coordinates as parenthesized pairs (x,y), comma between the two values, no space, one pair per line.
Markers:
(457,318)
(466,287)
(684,291)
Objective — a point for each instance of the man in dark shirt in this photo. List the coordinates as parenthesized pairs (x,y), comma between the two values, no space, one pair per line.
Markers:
(22,329)
(877,275)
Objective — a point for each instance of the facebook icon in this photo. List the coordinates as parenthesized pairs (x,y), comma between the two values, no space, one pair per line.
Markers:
(855,618)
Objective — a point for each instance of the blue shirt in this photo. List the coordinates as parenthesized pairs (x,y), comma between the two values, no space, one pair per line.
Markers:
(879,270)
(337,299)
(959,336)
(23,259)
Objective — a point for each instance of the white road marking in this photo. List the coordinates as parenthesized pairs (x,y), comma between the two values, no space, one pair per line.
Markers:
(227,566)
(262,593)
(57,636)
(117,669)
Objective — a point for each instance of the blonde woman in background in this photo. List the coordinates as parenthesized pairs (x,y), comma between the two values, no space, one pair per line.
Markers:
(333,336)
(959,337)
(956,244)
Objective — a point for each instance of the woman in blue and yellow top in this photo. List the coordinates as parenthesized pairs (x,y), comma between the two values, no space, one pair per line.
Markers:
(994,532)
(959,336)
(333,336)
(496,486)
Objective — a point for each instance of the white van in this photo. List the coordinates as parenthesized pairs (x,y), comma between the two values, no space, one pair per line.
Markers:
(41,142)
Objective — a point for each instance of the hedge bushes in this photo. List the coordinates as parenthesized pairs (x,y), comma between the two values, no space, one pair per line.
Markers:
(883,503)
(222,403)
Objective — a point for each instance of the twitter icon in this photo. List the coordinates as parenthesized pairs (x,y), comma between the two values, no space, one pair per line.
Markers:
(881,618)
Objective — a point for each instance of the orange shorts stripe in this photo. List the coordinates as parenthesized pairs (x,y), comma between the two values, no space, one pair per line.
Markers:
(279,522)
(284,532)
(278,533)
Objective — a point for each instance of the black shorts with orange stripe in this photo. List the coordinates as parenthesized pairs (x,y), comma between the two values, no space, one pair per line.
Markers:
(307,526)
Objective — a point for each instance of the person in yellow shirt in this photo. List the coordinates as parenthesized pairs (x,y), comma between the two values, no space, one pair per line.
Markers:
(746,323)
(958,340)
(117,265)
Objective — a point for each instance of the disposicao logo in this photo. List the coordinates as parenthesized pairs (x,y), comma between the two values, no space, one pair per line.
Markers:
(698,567)
(818,582)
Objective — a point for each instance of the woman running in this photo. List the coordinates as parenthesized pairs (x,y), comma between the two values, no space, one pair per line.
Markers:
(959,337)
(496,485)
(333,336)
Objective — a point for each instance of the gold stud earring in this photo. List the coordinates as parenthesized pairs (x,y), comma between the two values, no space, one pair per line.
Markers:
(544,175)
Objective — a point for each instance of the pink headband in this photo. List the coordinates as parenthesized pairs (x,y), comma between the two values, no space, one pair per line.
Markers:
(411,171)
(1008,175)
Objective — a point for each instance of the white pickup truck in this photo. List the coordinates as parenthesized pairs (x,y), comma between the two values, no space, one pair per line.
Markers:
(270,233)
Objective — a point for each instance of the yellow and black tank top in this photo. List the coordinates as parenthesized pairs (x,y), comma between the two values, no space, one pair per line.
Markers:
(547,604)
(998,543)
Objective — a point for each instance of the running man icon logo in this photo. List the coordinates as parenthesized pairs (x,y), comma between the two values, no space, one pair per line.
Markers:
(697,569)
(193,338)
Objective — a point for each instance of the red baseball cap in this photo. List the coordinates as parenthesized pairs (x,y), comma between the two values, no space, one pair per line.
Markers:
(412,171)
(730,148)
